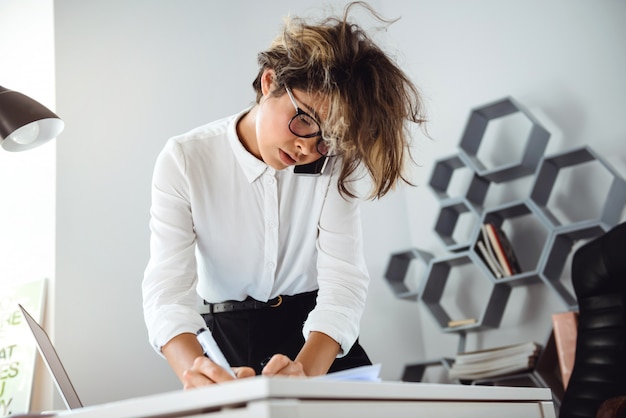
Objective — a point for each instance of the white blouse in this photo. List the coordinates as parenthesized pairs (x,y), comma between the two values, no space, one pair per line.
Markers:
(225,226)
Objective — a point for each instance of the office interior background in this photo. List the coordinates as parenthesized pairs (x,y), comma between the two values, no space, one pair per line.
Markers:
(127,75)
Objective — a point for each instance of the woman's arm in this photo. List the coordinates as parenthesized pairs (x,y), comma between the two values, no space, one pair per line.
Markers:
(343,278)
(318,354)
(181,351)
(315,358)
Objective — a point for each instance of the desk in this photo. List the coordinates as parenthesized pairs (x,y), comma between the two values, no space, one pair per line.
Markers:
(263,397)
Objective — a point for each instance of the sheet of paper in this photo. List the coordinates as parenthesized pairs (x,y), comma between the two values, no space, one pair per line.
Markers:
(364,373)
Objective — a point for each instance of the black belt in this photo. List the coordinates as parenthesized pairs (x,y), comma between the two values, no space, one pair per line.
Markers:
(249,304)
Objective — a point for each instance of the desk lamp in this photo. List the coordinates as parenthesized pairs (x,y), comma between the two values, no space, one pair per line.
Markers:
(24,122)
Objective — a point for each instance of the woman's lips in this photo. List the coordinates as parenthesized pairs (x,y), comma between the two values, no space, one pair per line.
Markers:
(286,158)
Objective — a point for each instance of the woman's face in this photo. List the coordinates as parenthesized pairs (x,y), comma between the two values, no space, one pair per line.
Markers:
(277,145)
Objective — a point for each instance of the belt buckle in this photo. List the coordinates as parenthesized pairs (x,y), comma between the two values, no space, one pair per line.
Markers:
(278,303)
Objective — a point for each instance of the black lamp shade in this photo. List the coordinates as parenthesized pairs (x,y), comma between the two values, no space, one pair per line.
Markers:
(24,122)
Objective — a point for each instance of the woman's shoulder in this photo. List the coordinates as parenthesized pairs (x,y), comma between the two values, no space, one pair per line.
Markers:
(204,134)
(199,145)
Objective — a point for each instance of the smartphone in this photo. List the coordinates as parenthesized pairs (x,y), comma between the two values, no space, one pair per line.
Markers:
(316,168)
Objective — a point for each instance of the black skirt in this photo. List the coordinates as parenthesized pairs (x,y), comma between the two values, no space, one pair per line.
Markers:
(249,337)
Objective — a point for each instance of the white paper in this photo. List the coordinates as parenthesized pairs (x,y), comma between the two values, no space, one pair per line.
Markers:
(369,373)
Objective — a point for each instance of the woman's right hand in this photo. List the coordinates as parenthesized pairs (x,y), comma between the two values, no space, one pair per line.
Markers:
(205,372)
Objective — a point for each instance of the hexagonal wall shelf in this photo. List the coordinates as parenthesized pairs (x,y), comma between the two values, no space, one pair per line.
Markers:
(542,241)
(611,205)
(457,223)
(432,292)
(404,272)
(442,179)
(561,244)
(442,174)
(476,127)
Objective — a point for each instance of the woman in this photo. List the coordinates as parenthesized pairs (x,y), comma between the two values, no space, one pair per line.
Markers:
(274,255)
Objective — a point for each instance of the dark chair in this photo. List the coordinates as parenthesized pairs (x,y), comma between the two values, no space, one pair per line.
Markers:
(599,374)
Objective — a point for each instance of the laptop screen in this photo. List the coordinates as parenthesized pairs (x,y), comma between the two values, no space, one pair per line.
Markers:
(53,362)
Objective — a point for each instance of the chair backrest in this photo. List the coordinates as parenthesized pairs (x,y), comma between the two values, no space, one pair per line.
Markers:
(599,280)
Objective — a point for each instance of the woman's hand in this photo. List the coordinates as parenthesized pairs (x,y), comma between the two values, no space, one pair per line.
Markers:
(315,358)
(205,372)
(281,365)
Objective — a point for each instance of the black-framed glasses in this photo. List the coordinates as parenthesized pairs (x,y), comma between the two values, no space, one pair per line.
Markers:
(304,125)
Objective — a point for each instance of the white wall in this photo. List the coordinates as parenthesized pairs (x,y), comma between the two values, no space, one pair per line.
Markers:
(27,188)
(132,73)
(563,60)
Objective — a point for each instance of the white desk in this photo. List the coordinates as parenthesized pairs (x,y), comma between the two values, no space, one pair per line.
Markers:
(262,397)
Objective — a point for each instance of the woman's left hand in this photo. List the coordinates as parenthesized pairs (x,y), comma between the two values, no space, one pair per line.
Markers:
(281,365)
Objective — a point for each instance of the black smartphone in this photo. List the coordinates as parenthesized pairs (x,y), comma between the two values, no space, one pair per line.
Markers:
(316,168)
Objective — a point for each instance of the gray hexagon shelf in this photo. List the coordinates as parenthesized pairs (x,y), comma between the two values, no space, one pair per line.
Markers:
(552,168)
(525,164)
(442,175)
(404,272)
(457,223)
(442,180)
(561,246)
(541,238)
(441,270)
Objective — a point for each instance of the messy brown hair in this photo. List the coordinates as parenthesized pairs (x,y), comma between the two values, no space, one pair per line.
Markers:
(371,100)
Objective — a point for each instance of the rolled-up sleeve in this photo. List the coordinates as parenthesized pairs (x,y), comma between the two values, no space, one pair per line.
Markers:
(169,284)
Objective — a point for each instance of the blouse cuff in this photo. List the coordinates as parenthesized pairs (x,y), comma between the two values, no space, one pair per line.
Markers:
(337,326)
(170,322)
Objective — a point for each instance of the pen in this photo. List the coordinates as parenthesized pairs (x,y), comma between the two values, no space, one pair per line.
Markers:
(212,350)
(264,362)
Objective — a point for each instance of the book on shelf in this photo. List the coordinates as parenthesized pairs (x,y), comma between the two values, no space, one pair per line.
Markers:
(502,249)
(461,322)
(486,253)
(493,362)
(565,329)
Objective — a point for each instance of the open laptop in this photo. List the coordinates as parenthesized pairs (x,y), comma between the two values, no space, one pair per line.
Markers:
(53,362)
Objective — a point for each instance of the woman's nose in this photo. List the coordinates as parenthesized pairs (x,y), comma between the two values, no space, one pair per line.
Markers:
(306,145)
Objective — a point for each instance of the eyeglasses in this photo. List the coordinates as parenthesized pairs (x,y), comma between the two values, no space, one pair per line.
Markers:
(304,125)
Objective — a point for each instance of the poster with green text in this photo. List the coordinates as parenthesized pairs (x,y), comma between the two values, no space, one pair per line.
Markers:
(18,351)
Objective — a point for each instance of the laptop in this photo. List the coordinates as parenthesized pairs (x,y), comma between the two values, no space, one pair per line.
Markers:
(53,363)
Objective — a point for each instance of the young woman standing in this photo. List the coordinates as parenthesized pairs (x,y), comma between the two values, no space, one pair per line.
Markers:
(274,255)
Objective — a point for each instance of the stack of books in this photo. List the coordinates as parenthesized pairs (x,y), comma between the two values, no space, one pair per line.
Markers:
(483,364)
(496,251)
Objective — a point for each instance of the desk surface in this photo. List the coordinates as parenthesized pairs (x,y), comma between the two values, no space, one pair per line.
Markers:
(242,392)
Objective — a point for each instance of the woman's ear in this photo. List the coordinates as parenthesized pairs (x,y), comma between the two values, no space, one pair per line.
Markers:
(267,81)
